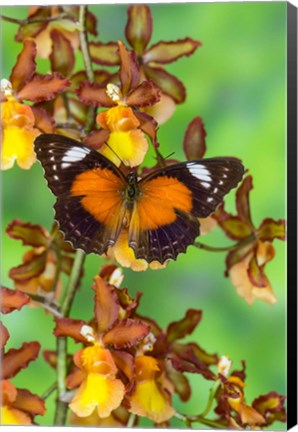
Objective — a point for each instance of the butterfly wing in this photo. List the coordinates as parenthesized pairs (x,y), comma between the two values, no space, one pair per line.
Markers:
(89,207)
(164,220)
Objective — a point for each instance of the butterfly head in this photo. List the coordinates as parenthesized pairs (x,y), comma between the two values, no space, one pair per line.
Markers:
(132,189)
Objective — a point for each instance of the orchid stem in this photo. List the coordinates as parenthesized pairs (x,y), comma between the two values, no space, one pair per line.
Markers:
(87,62)
(188,420)
(49,391)
(248,239)
(73,283)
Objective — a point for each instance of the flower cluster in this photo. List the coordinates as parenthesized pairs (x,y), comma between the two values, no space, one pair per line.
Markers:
(18,406)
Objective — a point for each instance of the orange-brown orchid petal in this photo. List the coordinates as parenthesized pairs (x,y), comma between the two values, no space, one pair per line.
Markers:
(207,225)
(168,83)
(8,392)
(94,94)
(237,255)
(96,138)
(250,416)
(16,359)
(145,94)
(104,53)
(12,416)
(25,65)
(71,328)
(235,228)
(43,87)
(256,273)
(31,30)
(242,201)
(271,407)
(101,77)
(180,382)
(126,333)
(30,234)
(4,335)
(62,56)
(91,23)
(138,29)
(197,352)
(78,110)
(30,403)
(148,124)
(12,300)
(34,264)
(124,362)
(185,326)
(75,378)
(185,360)
(270,229)
(106,305)
(194,144)
(43,121)
(129,69)
(168,52)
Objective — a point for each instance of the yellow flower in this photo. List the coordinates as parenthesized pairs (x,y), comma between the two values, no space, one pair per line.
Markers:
(151,396)
(100,389)
(126,142)
(18,134)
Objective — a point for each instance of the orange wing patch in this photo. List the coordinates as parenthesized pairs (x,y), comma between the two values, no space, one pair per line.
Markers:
(158,201)
(102,191)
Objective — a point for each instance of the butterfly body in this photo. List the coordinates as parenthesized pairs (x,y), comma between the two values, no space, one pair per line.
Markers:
(96,201)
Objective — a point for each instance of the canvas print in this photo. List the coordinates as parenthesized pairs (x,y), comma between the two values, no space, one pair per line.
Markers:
(144,215)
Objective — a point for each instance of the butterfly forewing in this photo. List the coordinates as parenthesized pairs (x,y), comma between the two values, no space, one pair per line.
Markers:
(89,206)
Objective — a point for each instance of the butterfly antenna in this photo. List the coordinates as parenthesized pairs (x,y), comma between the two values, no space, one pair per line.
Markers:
(113,151)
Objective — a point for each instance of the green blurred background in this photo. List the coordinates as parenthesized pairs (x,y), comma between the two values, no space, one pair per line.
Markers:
(237,82)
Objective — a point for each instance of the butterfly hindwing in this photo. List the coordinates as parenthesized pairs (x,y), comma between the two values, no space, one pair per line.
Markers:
(164,220)
(89,207)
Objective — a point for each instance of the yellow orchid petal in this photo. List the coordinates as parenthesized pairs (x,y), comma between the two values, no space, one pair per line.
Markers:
(149,401)
(12,416)
(18,146)
(124,254)
(95,359)
(119,118)
(99,392)
(129,147)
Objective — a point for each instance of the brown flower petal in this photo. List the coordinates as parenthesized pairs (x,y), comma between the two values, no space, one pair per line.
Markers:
(242,200)
(168,52)
(43,87)
(78,110)
(94,94)
(138,29)
(184,365)
(4,335)
(25,65)
(194,145)
(62,56)
(16,359)
(148,125)
(129,69)
(104,53)
(91,23)
(106,305)
(126,301)
(271,407)
(168,83)
(70,327)
(180,329)
(30,234)
(30,403)
(97,138)
(238,254)
(126,333)
(270,229)
(12,300)
(124,362)
(145,94)
(31,30)
(75,378)
(100,76)
(256,273)
(50,357)
(198,352)
(43,121)
(34,264)
(235,228)
(180,382)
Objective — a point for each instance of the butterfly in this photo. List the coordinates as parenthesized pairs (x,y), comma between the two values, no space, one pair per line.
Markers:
(95,200)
